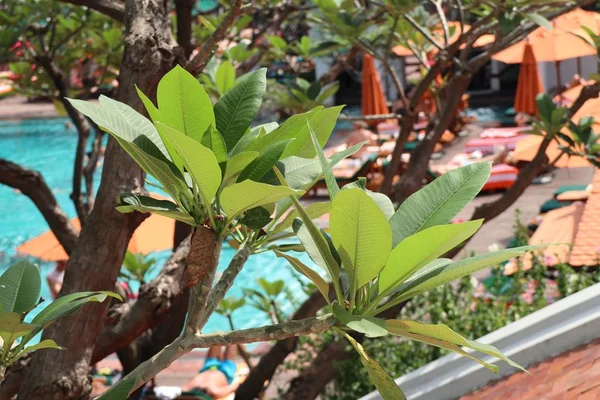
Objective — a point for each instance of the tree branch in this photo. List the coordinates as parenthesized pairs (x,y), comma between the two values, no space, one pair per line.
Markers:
(32,184)
(197,64)
(185,343)
(125,322)
(112,8)
(183,9)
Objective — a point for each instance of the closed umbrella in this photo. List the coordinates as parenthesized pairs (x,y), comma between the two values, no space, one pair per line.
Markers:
(154,234)
(529,84)
(373,101)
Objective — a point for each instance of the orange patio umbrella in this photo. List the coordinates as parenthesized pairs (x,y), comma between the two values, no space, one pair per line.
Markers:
(529,84)
(154,234)
(526,149)
(482,41)
(373,101)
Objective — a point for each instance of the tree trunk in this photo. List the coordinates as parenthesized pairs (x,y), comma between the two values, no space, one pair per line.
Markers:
(412,179)
(183,9)
(263,372)
(96,260)
(32,184)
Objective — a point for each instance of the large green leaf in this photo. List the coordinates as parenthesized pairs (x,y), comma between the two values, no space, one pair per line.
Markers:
(238,162)
(444,345)
(225,77)
(308,272)
(164,171)
(322,124)
(184,104)
(418,250)
(443,333)
(313,210)
(20,287)
(130,202)
(440,201)
(238,107)
(11,328)
(124,123)
(245,195)
(264,162)
(213,140)
(256,218)
(383,381)
(444,273)
(200,162)
(290,129)
(372,327)
(357,224)
(303,173)
(332,185)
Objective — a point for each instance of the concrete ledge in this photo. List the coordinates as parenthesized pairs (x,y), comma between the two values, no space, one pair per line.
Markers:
(566,324)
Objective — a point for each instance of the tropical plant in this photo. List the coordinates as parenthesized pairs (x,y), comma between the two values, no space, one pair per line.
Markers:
(20,287)
(136,266)
(226,178)
(300,95)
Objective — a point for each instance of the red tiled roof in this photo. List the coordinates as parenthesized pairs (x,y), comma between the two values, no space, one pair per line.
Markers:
(574,374)
(586,245)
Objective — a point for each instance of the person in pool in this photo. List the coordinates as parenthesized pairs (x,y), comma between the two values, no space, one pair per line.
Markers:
(215,378)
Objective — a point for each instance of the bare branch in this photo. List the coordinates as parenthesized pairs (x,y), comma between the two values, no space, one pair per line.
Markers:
(183,9)
(32,184)
(112,8)
(197,64)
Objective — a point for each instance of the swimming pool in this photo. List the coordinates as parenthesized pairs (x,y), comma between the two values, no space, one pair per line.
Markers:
(48,146)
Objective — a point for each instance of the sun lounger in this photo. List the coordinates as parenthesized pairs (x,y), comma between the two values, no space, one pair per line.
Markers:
(553,204)
(498,133)
(488,145)
(503,176)
(569,188)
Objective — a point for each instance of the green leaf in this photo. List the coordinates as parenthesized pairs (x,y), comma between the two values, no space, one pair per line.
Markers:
(213,140)
(165,172)
(245,195)
(225,77)
(381,379)
(311,274)
(124,123)
(327,91)
(120,390)
(150,108)
(357,224)
(200,162)
(385,204)
(130,202)
(443,333)
(264,162)
(372,327)
(313,210)
(68,304)
(11,328)
(238,162)
(418,250)
(20,287)
(440,201)
(256,218)
(539,20)
(443,274)
(330,181)
(322,123)
(184,104)
(44,344)
(238,107)
(303,173)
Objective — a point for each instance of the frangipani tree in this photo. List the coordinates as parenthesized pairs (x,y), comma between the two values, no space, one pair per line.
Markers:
(226,178)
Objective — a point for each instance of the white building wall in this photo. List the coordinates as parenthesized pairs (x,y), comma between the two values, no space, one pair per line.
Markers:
(568,69)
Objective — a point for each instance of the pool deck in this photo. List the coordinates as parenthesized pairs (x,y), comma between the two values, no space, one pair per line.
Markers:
(17,107)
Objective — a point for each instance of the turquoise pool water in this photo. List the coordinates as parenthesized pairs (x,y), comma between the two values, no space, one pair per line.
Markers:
(48,146)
